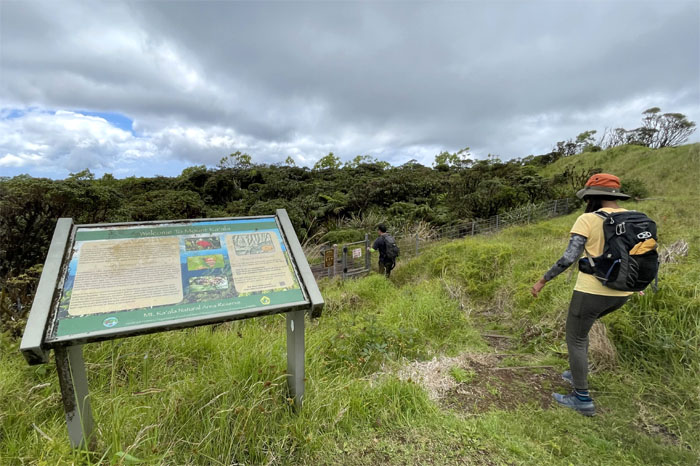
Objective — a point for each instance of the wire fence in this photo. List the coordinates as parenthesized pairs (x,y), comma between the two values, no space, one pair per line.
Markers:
(353,259)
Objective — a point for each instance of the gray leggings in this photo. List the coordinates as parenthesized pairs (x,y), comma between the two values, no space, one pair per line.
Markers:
(584,309)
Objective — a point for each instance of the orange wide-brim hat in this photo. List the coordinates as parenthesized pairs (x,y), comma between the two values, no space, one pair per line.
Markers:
(602,184)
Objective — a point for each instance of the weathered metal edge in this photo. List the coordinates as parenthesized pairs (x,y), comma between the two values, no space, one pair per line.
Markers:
(159,222)
(32,346)
(302,265)
(92,337)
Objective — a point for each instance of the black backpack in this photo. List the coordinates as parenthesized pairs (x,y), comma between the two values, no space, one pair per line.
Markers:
(392,249)
(630,260)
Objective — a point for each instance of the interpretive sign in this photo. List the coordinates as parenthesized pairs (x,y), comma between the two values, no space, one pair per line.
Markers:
(128,279)
(111,281)
(329,258)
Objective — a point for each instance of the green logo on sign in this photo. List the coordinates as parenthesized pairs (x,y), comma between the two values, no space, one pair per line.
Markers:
(110,322)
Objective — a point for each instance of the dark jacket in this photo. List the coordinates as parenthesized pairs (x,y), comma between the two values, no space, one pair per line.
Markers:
(380,245)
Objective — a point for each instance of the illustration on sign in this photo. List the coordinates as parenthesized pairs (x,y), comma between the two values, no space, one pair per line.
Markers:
(120,277)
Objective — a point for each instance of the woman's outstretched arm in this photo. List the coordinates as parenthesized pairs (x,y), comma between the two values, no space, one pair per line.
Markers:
(572,253)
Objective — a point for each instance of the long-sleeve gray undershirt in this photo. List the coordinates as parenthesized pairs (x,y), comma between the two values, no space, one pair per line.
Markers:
(572,253)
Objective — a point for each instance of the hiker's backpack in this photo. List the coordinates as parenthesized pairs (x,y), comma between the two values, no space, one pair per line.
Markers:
(630,260)
(392,249)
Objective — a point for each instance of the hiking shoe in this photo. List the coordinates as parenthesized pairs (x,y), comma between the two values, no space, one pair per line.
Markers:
(566,375)
(587,408)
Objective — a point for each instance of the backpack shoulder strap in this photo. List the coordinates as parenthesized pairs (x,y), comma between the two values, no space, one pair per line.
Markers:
(602,214)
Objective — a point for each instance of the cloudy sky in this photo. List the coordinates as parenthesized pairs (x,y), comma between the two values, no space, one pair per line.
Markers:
(151,87)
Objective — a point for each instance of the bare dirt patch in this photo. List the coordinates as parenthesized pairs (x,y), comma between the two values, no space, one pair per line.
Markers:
(475,383)
(402,446)
(502,343)
(645,423)
(505,388)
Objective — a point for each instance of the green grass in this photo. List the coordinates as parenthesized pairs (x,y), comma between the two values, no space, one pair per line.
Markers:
(218,396)
(461,375)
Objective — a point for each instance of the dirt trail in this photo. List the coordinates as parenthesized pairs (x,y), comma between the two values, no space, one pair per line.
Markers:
(479,382)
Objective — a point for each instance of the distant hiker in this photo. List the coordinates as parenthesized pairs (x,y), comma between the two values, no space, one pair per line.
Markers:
(388,250)
(621,257)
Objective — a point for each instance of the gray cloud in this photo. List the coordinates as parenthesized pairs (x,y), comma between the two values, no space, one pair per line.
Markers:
(396,80)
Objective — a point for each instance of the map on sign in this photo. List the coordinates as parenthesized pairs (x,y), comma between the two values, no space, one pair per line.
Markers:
(136,275)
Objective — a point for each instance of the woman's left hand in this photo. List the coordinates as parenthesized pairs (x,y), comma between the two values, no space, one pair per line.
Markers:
(537,287)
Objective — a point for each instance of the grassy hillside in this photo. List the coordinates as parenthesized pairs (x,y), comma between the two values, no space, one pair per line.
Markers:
(450,362)
(672,171)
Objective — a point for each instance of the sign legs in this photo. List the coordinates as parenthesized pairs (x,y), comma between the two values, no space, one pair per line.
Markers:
(74,393)
(295,356)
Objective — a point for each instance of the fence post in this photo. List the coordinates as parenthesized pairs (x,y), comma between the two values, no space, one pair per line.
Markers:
(345,260)
(555,207)
(335,258)
(417,240)
(496,222)
(367,259)
(473,226)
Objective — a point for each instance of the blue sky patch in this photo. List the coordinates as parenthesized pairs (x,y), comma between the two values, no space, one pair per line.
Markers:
(115,119)
(14,113)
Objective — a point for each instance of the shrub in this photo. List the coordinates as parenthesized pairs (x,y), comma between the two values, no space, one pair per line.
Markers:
(635,188)
(343,236)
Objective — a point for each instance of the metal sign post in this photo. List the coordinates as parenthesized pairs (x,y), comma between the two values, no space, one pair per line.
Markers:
(72,379)
(295,357)
(109,281)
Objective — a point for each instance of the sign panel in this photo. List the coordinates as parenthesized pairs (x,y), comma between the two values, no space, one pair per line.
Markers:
(357,253)
(148,276)
(329,258)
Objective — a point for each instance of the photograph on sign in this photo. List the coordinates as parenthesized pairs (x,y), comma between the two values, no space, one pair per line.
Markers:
(133,275)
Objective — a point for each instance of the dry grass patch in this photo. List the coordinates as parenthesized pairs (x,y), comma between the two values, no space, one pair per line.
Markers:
(601,351)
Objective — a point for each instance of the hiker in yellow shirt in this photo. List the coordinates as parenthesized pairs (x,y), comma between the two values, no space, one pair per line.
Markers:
(591,299)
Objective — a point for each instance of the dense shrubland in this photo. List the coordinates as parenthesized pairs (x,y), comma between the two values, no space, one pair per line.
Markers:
(331,202)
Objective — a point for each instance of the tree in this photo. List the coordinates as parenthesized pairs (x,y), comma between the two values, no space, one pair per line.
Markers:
(166,205)
(565,148)
(664,130)
(446,160)
(576,177)
(360,160)
(657,130)
(584,142)
(236,160)
(614,137)
(329,162)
